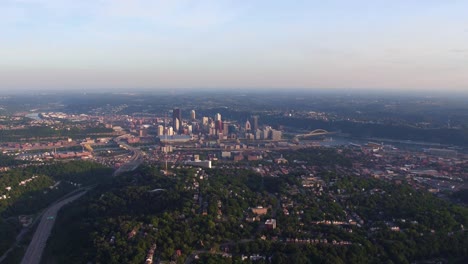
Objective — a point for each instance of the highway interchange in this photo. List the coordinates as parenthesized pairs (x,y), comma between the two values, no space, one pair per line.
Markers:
(135,160)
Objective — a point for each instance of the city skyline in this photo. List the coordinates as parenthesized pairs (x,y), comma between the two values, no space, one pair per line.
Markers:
(375,45)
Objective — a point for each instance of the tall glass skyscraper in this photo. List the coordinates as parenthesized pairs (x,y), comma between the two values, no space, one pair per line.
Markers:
(177,118)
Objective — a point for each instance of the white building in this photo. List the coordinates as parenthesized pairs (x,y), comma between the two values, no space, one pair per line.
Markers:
(160,130)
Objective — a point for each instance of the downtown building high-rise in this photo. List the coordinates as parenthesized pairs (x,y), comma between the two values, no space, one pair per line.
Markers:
(255,122)
(177,119)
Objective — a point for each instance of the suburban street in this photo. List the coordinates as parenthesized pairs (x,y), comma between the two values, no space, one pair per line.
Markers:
(36,247)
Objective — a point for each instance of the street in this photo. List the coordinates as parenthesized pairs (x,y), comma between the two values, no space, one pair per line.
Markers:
(36,247)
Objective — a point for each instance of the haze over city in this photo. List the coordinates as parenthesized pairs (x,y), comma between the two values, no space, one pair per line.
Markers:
(233,131)
(88,44)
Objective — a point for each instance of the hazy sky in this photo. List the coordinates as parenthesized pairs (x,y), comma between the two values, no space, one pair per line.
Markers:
(89,44)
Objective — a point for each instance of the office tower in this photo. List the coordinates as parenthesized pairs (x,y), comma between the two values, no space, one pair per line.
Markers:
(226,127)
(212,131)
(255,122)
(218,117)
(170,131)
(177,118)
(266,133)
(276,134)
(219,126)
(205,121)
(192,114)
(195,127)
(258,134)
(248,127)
(160,130)
(177,125)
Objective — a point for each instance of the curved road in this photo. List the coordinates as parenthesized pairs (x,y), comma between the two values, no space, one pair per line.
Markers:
(134,161)
(36,247)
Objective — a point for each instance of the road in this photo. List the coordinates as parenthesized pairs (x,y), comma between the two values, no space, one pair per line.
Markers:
(36,247)
(135,160)
(190,258)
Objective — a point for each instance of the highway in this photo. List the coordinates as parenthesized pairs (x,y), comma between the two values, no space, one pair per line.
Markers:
(135,160)
(36,247)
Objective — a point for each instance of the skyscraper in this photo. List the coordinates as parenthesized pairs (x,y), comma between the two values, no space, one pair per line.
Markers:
(255,122)
(247,126)
(160,130)
(205,121)
(218,117)
(192,114)
(226,127)
(177,125)
(177,118)
(219,126)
